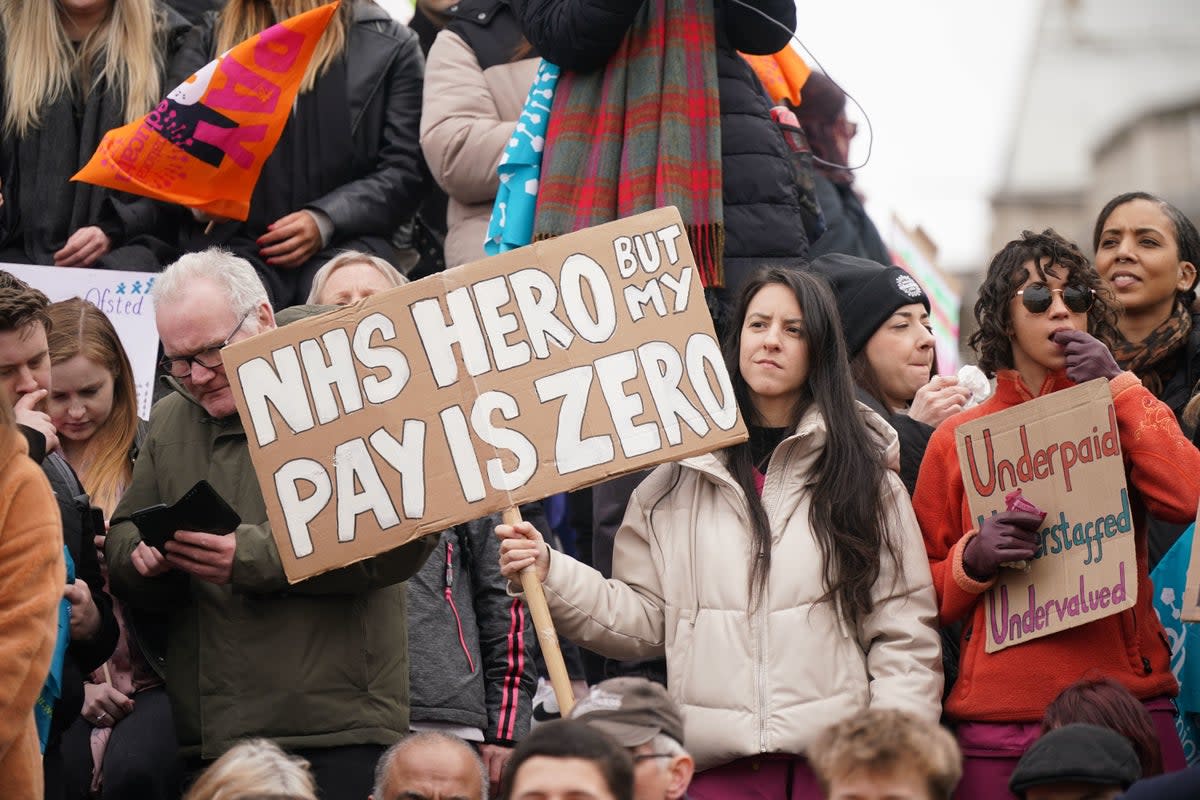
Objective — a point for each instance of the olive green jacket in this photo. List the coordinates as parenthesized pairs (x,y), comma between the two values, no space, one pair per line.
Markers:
(322,663)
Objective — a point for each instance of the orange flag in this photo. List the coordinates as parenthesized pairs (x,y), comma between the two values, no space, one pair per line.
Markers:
(205,144)
(782,74)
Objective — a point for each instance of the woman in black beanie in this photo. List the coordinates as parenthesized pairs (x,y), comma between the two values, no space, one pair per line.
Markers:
(885,318)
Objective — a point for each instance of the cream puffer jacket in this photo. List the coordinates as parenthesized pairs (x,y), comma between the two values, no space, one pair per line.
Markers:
(768,680)
(467,117)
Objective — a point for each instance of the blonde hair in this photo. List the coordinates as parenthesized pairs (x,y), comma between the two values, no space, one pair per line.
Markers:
(241,19)
(78,328)
(345,259)
(255,769)
(883,741)
(40,63)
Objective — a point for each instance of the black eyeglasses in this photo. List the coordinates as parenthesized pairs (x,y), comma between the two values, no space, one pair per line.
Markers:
(209,358)
(1037,297)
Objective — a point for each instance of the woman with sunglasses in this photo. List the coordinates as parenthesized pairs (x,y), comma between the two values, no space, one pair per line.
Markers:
(1044,319)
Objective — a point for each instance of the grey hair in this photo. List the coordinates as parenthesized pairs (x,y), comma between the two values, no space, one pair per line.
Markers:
(234,275)
(382,767)
(661,743)
(346,257)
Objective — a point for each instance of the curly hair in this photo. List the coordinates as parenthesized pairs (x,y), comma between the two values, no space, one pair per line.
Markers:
(1046,253)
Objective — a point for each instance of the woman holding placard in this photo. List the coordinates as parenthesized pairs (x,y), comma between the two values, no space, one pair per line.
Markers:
(123,743)
(1045,317)
(782,577)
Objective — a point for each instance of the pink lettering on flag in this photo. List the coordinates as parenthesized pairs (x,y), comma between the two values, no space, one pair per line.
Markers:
(278,48)
(258,95)
(230,140)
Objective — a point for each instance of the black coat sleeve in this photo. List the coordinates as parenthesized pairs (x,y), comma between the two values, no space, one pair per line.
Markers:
(391,192)
(506,638)
(578,35)
(89,654)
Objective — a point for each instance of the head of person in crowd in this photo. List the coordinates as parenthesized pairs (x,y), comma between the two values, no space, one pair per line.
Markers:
(1076,762)
(822,114)
(93,402)
(1037,287)
(24,351)
(885,317)
(203,302)
(253,770)
(568,760)
(55,47)
(1148,251)
(640,716)
(432,766)
(1104,702)
(241,19)
(886,754)
(786,357)
(351,276)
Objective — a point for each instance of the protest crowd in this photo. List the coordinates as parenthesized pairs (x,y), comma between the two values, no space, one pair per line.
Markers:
(821,609)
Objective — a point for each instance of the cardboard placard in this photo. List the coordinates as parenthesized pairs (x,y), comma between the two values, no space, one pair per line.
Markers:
(124,296)
(1190,611)
(496,383)
(1064,453)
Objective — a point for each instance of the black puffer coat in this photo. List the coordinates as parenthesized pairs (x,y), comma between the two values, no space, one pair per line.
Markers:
(762,211)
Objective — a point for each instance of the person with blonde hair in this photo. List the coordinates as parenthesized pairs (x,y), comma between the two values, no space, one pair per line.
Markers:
(347,171)
(255,769)
(93,402)
(123,744)
(31,580)
(73,70)
(884,752)
(351,276)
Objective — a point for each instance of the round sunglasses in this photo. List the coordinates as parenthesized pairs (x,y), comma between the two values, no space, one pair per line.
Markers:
(1037,297)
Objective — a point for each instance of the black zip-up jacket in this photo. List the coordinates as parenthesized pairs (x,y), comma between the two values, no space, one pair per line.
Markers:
(763,222)
(471,647)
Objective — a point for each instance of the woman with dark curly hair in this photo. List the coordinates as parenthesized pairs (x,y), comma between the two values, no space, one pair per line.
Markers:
(1046,321)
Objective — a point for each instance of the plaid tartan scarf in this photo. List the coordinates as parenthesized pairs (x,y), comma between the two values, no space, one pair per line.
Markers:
(642,133)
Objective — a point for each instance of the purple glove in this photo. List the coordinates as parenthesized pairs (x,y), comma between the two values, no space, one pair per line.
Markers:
(1004,537)
(1087,356)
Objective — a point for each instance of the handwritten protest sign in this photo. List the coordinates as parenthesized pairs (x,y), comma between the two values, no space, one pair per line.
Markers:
(1063,452)
(124,296)
(537,371)
(205,144)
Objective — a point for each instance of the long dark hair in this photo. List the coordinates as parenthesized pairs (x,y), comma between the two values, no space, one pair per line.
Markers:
(846,511)
(1187,238)
(1048,252)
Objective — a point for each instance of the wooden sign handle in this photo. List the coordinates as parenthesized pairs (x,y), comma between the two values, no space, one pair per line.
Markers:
(544,625)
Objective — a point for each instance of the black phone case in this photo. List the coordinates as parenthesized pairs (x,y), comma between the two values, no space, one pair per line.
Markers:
(200,509)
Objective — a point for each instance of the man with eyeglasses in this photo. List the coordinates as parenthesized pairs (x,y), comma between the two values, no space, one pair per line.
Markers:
(320,667)
(642,718)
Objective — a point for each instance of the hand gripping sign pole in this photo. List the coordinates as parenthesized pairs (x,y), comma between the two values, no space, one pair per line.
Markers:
(535,598)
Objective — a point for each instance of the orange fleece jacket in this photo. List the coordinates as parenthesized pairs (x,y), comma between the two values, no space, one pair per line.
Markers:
(32,577)
(1162,469)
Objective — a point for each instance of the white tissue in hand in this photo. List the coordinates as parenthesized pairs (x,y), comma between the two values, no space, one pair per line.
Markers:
(972,378)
